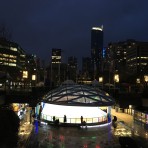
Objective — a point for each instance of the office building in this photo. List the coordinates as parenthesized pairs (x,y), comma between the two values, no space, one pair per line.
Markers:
(54,70)
(72,68)
(56,55)
(12,58)
(137,59)
(96,49)
(129,59)
(87,68)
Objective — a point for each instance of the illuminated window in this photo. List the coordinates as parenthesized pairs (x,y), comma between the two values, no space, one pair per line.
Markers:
(25,74)
(12,64)
(33,77)
(13,48)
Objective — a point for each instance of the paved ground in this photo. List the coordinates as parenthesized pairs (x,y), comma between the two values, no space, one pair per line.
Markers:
(46,136)
(138,129)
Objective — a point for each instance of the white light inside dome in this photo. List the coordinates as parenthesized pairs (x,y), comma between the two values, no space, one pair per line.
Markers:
(72,111)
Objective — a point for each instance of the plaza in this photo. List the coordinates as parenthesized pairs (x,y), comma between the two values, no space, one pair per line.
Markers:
(47,136)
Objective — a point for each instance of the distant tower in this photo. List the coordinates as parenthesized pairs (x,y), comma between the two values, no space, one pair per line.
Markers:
(72,68)
(56,66)
(86,67)
(96,49)
(56,55)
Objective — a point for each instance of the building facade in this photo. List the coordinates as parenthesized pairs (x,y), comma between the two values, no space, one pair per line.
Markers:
(16,63)
(87,68)
(12,58)
(96,49)
(72,68)
(137,59)
(130,60)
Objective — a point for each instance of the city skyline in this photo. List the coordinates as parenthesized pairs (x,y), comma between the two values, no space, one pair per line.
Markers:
(39,26)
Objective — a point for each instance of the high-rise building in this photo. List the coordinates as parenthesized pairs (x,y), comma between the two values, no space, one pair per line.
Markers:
(72,68)
(20,66)
(137,58)
(12,58)
(56,55)
(96,49)
(130,59)
(54,71)
(86,68)
(118,55)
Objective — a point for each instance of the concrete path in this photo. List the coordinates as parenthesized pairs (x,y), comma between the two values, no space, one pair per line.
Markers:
(128,119)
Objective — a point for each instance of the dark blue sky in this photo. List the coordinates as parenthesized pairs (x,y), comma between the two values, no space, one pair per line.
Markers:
(40,25)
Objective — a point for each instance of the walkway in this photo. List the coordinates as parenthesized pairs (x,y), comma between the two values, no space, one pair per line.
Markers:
(138,131)
(128,119)
(102,137)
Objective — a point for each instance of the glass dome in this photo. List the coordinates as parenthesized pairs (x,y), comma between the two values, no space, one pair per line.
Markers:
(75,102)
(73,94)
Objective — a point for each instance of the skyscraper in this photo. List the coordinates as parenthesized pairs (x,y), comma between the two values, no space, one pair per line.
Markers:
(55,74)
(96,49)
(72,68)
(86,68)
(56,55)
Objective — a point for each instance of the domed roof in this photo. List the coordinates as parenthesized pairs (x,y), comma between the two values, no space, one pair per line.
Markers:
(80,95)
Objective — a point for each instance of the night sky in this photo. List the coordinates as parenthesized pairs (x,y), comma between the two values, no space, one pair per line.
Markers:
(40,25)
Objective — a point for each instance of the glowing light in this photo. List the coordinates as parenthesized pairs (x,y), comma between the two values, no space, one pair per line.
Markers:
(72,111)
(97,126)
(97,28)
(137,80)
(146,78)
(25,74)
(104,51)
(36,126)
(33,77)
(116,78)
(100,79)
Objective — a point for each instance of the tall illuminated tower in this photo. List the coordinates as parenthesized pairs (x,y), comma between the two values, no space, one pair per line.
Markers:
(96,49)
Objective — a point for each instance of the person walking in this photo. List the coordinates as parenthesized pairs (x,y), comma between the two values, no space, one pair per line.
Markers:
(81,119)
(65,119)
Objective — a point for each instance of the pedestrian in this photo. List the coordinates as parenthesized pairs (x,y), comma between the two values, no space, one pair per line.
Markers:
(53,118)
(65,119)
(81,119)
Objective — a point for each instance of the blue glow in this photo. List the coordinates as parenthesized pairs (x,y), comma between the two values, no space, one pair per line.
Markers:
(36,126)
(43,104)
(36,111)
(104,52)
